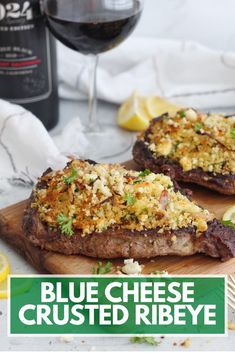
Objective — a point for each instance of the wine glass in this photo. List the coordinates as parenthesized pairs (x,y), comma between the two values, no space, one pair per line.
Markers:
(92,27)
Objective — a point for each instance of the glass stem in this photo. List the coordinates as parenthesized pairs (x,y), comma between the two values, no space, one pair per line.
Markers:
(93,123)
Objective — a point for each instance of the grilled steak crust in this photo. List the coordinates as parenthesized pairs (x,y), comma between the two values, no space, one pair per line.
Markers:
(224,184)
(218,241)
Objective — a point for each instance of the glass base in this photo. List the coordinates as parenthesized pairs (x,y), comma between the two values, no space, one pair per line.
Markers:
(109,144)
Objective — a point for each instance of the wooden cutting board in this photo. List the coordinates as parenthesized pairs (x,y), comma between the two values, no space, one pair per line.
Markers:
(49,262)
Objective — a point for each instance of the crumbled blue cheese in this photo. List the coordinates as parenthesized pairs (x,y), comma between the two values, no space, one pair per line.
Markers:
(131,267)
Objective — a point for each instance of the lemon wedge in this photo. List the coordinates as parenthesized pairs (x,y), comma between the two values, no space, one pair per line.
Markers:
(133,114)
(137,111)
(4,267)
(230,215)
(157,106)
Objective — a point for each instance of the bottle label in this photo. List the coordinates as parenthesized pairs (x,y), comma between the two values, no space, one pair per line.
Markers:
(25,66)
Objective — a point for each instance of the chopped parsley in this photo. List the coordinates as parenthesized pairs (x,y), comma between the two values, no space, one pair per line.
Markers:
(232,132)
(149,340)
(228,224)
(182,114)
(66,224)
(130,200)
(198,127)
(101,269)
(144,173)
(69,180)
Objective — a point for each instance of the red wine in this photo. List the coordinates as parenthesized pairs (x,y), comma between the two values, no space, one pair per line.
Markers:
(89,26)
(28,73)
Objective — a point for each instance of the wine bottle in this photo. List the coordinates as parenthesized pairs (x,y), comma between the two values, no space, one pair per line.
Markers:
(28,71)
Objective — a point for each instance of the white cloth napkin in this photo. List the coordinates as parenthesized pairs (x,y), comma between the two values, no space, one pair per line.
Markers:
(27,149)
(185,72)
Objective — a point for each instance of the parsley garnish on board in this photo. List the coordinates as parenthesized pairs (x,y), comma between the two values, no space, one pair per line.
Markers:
(159,273)
(66,224)
(149,340)
(232,132)
(101,269)
(71,178)
(130,200)
(228,224)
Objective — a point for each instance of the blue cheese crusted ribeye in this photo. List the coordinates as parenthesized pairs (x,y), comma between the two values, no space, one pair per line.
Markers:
(106,211)
(191,146)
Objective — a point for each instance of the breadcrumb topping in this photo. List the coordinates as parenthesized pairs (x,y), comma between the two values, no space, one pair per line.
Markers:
(196,140)
(91,198)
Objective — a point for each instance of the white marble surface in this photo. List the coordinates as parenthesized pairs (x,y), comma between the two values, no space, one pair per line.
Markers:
(212,23)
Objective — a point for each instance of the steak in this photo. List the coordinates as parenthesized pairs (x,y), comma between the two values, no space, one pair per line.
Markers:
(117,242)
(206,149)
(224,184)
(218,241)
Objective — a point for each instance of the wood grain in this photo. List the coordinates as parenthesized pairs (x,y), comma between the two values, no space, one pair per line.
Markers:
(49,262)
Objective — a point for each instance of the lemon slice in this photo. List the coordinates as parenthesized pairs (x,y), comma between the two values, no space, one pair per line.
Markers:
(230,215)
(157,106)
(4,267)
(133,114)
